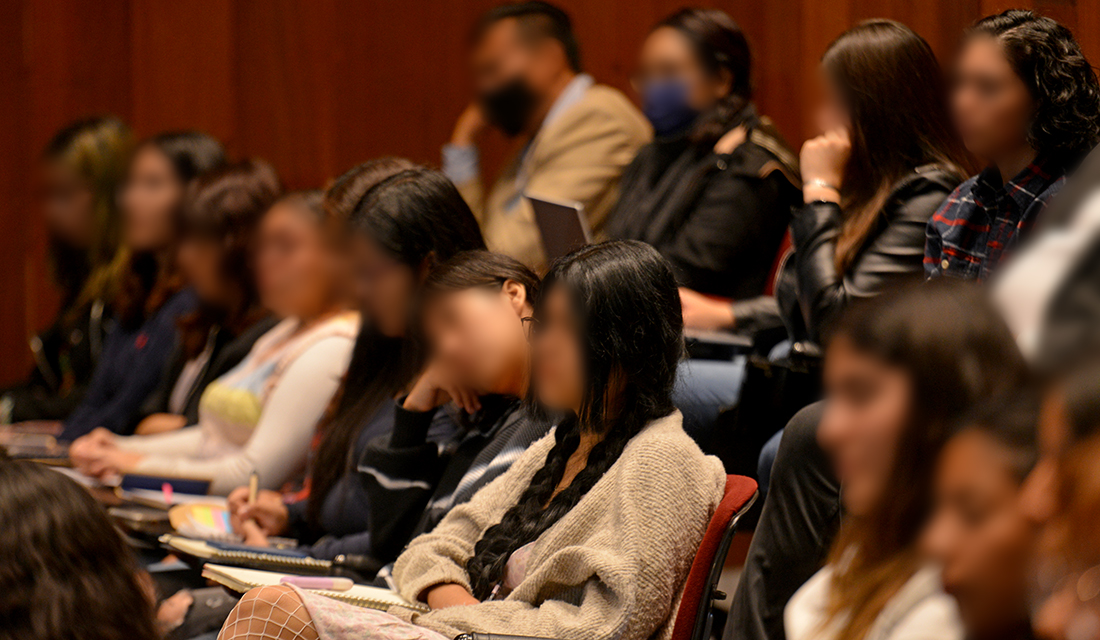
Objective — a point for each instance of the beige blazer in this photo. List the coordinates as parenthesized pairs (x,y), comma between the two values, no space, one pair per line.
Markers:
(577,157)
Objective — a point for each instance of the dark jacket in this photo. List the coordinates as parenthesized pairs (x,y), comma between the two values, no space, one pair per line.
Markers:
(718,218)
(344,526)
(227,350)
(65,356)
(413,483)
(810,293)
(129,369)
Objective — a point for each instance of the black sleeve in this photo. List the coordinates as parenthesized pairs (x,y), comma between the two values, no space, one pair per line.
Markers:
(400,473)
(895,251)
(728,244)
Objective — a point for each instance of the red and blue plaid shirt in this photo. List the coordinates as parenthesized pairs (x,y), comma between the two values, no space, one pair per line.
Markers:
(979,224)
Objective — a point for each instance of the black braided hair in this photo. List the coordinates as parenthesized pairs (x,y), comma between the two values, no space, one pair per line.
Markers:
(628,308)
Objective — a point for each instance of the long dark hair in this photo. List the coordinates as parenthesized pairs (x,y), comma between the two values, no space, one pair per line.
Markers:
(631,326)
(1047,58)
(227,204)
(897,125)
(956,351)
(719,44)
(67,573)
(475,269)
(146,282)
(97,150)
(415,215)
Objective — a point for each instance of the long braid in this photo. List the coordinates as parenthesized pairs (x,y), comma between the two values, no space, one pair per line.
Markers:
(625,296)
(536,511)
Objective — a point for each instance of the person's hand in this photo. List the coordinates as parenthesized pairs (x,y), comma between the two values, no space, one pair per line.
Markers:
(268,515)
(822,162)
(448,594)
(701,312)
(90,453)
(436,387)
(173,609)
(469,125)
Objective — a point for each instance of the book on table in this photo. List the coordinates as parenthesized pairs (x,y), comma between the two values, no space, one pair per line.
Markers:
(242,580)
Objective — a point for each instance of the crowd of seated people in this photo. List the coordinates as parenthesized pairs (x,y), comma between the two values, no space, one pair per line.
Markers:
(395,375)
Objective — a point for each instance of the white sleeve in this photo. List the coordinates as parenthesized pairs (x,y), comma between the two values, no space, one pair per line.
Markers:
(181,442)
(280,442)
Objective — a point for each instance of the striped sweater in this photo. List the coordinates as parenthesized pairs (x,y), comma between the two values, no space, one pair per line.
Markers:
(413,483)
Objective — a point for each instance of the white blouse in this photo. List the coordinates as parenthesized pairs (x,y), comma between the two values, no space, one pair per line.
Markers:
(920,610)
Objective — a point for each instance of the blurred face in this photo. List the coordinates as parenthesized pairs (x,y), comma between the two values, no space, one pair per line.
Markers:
(200,260)
(667,56)
(557,353)
(990,104)
(503,56)
(867,410)
(298,270)
(981,536)
(831,111)
(478,335)
(67,202)
(1060,612)
(149,201)
(384,287)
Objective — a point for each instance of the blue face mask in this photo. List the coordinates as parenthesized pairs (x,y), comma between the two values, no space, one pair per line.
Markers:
(665,103)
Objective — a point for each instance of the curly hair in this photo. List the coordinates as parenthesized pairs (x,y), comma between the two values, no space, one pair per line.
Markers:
(626,299)
(1046,56)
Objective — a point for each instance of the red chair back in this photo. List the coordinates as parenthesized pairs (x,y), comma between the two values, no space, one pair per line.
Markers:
(695,617)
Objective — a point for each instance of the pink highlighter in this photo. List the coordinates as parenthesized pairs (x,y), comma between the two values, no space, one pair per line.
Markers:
(330,583)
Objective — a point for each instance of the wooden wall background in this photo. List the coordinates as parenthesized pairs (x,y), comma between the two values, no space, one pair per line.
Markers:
(315,86)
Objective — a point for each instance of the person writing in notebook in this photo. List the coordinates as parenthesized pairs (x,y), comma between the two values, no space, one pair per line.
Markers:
(592,531)
(577,136)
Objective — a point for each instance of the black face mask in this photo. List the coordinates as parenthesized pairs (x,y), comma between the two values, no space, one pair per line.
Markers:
(509,106)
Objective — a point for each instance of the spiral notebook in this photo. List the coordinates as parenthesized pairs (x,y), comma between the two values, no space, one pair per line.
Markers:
(361,595)
(244,556)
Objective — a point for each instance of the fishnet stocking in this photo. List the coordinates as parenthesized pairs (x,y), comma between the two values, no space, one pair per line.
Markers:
(269,613)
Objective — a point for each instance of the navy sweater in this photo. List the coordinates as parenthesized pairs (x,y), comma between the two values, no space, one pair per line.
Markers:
(129,369)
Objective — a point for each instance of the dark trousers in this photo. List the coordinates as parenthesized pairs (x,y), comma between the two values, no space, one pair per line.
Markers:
(797,525)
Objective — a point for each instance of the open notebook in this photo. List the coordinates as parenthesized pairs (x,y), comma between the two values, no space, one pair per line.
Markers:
(244,556)
(360,595)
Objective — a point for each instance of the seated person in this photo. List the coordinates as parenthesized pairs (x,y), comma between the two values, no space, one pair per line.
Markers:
(472,312)
(577,135)
(67,573)
(883,164)
(1027,103)
(216,256)
(151,298)
(402,220)
(899,371)
(261,415)
(979,533)
(82,169)
(617,494)
(1061,494)
(713,193)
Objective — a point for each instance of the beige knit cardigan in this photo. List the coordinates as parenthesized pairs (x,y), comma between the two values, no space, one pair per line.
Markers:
(610,569)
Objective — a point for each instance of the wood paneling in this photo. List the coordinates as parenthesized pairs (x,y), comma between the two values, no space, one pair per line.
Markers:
(315,86)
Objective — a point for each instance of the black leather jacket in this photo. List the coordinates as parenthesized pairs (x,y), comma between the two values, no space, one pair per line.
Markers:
(810,293)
